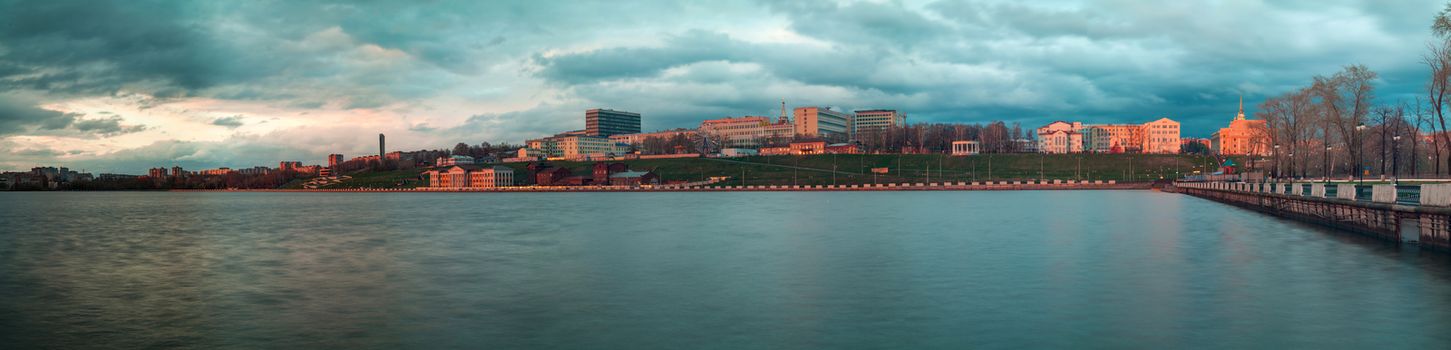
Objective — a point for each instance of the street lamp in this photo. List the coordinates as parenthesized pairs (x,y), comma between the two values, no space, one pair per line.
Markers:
(1359,153)
(1326,167)
(1395,159)
(1276,155)
(1292,166)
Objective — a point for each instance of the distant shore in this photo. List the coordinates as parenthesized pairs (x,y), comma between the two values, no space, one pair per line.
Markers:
(953,186)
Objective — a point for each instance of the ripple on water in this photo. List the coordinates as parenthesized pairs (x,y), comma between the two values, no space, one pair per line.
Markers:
(1056,269)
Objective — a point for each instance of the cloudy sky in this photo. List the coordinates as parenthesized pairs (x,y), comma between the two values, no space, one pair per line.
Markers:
(120,86)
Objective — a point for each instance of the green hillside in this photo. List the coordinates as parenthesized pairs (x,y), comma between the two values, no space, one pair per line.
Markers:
(856,169)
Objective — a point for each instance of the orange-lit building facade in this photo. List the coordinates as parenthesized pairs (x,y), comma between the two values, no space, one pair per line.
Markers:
(1161,136)
(471,176)
(743,132)
(809,147)
(823,122)
(1242,137)
(1113,138)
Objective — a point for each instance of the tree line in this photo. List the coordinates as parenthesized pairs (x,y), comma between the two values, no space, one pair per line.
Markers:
(1332,126)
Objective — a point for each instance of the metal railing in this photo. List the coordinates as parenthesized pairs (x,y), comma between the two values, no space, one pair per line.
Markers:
(1409,195)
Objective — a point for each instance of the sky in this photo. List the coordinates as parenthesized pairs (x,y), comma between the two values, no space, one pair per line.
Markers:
(122,86)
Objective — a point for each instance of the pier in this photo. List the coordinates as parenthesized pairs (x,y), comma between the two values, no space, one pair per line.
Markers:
(1413,214)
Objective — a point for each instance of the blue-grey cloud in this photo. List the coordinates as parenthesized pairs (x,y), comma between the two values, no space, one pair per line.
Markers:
(231,121)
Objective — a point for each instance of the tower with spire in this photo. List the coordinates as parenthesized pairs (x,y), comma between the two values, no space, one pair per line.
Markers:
(783,119)
(1240,116)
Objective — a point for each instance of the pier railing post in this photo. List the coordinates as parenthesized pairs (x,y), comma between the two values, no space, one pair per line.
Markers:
(1345,191)
(1436,195)
(1383,193)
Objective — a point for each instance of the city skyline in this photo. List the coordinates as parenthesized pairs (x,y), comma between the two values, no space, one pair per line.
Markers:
(210,84)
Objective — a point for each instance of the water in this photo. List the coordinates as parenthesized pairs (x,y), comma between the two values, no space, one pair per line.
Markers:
(945,270)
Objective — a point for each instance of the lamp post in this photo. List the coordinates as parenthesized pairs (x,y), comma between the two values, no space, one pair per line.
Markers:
(1276,155)
(1395,159)
(1326,167)
(1359,153)
(1292,165)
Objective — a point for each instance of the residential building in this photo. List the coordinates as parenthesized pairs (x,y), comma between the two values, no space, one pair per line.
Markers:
(215,172)
(547,147)
(454,160)
(589,147)
(965,148)
(1060,137)
(157,173)
(743,132)
(333,160)
(608,122)
(1242,136)
(259,170)
(638,139)
(823,122)
(289,165)
(1113,138)
(877,119)
(781,132)
(1161,136)
(527,155)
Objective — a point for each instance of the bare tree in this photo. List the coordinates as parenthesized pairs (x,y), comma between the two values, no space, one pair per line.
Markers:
(1441,24)
(1438,59)
(1345,98)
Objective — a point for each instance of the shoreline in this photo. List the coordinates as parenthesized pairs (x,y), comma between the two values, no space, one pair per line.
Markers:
(958,186)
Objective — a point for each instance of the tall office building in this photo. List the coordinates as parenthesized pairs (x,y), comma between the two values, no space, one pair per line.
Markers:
(823,122)
(380,147)
(606,122)
(877,119)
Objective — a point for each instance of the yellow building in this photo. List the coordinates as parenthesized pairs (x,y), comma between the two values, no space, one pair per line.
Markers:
(590,147)
(747,132)
(1161,136)
(1242,137)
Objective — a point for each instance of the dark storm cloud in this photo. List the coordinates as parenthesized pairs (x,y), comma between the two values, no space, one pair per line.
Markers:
(99,46)
(955,60)
(18,115)
(680,62)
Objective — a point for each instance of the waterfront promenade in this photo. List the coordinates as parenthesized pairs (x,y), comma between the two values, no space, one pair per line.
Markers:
(1415,214)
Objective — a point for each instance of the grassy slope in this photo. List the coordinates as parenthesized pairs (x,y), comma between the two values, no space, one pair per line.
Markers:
(855,169)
